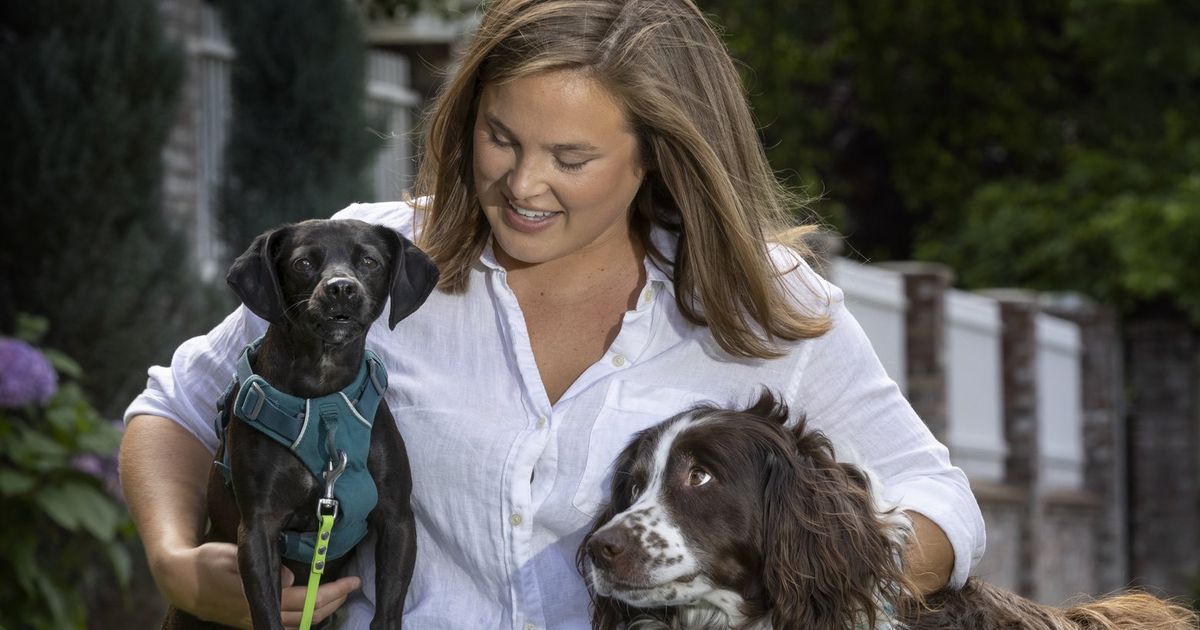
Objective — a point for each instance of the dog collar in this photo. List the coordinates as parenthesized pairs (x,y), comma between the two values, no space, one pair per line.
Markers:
(314,429)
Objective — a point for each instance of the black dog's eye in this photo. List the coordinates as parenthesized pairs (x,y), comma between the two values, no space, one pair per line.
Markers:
(369,263)
(302,265)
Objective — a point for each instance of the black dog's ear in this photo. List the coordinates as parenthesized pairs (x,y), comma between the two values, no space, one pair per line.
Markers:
(254,279)
(413,276)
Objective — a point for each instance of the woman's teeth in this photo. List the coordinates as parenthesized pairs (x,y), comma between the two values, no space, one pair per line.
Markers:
(530,214)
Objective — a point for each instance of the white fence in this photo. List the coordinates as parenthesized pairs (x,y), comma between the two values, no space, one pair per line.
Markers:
(973,361)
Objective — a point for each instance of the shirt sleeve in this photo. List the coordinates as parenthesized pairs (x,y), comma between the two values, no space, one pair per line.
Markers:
(843,390)
(187,390)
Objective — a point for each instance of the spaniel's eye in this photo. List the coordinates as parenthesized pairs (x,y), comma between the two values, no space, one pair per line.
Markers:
(635,491)
(302,265)
(369,263)
(698,477)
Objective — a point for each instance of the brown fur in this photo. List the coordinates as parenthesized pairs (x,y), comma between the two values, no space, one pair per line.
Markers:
(982,606)
(827,557)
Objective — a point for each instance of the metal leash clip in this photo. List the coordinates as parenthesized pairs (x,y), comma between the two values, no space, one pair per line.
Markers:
(327,504)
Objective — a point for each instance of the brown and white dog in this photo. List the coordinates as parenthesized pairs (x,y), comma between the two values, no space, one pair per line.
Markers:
(729,519)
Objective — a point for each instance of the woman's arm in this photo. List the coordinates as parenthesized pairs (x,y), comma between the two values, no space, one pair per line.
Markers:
(164,474)
(929,559)
(843,390)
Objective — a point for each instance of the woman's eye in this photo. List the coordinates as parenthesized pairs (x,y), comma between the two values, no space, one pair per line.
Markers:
(570,166)
(369,263)
(302,264)
(498,142)
(698,477)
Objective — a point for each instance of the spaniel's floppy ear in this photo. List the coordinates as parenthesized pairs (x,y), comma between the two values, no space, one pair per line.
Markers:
(828,555)
(413,275)
(254,279)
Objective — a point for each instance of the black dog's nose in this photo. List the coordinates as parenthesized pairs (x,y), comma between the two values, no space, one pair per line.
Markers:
(608,545)
(342,289)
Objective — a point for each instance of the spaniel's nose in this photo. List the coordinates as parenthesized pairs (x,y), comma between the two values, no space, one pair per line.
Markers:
(608,545)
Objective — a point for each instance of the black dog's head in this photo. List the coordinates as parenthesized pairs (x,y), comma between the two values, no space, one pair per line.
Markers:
(331,278)
(724,517)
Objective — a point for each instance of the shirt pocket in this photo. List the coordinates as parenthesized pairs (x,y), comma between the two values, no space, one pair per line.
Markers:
(629,407)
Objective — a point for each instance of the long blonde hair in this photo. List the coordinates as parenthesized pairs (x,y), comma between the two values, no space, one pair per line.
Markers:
(707,177)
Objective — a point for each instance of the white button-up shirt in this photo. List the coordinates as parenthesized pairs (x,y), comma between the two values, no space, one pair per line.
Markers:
(505,484)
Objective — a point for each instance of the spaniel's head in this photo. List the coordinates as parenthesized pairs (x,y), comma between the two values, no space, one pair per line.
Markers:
(732,517)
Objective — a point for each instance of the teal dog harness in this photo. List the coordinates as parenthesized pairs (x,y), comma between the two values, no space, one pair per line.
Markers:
(315,429)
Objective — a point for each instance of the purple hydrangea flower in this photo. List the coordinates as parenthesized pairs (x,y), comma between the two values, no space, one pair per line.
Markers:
(26,376)
(104,468)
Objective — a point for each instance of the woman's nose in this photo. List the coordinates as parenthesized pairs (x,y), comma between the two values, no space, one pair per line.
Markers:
(527,179)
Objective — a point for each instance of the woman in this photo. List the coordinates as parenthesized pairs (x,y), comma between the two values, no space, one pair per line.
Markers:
(613,248)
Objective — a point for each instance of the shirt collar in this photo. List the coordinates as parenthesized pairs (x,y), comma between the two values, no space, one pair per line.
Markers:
(666,242)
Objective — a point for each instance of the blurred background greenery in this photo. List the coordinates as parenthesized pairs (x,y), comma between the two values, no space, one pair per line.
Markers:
(1048,144)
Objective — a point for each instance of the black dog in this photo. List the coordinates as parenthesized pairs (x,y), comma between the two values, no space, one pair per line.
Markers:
(320,285)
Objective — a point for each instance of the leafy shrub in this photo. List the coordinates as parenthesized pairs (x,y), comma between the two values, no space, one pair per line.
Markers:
(61,521)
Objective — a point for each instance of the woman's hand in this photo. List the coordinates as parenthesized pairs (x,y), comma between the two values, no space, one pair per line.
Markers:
(330,597)
(205,582)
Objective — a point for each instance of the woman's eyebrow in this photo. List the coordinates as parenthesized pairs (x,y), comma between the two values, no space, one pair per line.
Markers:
(561,147)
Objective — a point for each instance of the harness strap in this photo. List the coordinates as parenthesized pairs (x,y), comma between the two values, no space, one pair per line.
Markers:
(289,419)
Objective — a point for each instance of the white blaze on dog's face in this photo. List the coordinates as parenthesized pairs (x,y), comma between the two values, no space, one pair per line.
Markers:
(688,522)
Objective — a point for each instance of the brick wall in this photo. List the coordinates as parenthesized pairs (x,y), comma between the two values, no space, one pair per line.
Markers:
(1164,497)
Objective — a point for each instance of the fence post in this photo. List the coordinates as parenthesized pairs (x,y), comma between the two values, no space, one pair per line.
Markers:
(1164,497)
(1018,315)
(925,286)
(1103,430)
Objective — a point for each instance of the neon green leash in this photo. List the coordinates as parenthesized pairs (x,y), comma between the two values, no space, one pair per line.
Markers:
(327,509)
(316,570)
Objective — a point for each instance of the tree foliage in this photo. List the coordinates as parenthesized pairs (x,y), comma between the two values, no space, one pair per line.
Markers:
(300,141)
(1048,144)
(89,94)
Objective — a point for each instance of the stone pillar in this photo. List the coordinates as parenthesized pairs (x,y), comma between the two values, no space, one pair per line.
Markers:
(1164,497)
(925,287)
(1018,315)
(1103,431)
(181,24)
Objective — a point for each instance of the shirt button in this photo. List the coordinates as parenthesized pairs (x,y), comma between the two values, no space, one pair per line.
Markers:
(515,519)
(618,360)
(542,422)
(647,295)
(530,626)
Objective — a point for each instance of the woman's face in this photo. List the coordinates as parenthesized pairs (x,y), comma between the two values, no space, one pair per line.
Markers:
(556,167)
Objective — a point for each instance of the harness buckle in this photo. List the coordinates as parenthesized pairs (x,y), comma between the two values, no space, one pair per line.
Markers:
(261,398)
